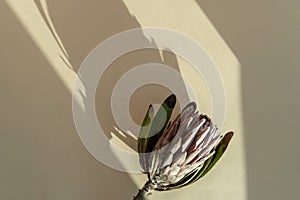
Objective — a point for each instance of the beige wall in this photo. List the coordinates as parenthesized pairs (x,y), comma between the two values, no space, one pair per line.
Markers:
(43,44)
(264,35)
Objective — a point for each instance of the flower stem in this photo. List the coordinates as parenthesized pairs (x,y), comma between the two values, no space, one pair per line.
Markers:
(145,191)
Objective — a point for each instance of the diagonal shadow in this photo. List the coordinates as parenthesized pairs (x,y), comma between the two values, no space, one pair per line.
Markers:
(48,160)
(80,33)
(42,156)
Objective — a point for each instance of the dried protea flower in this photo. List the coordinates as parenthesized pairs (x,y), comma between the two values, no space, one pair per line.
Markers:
(176,154)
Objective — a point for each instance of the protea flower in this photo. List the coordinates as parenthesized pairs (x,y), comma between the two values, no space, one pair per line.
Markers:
(176,154)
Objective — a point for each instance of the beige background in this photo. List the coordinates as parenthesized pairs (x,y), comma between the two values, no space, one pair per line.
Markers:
(255,46)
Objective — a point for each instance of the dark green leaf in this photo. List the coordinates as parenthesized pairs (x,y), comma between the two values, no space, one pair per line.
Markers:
(219,151)
(160,121)
(144,132)
(143,138)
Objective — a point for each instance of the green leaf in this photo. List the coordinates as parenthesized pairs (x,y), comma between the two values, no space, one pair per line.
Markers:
(143,138)
(151,125)
(160,121)
(219,151)
(144,132)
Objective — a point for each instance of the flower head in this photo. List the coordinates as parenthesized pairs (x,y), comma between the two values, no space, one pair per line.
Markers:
(178,153)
